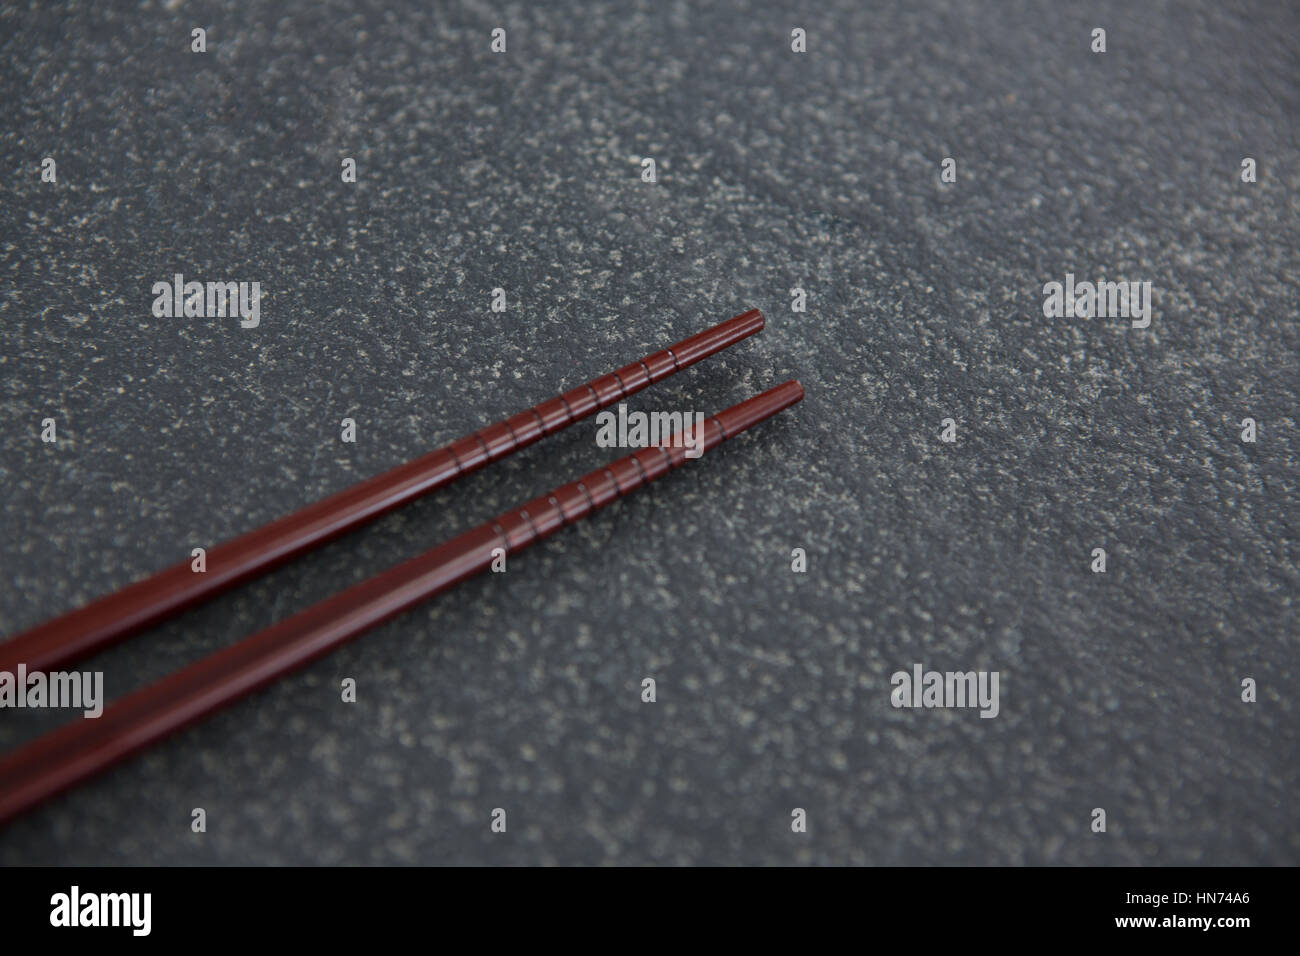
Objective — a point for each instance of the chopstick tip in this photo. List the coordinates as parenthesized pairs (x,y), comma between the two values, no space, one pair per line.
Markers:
(791,392)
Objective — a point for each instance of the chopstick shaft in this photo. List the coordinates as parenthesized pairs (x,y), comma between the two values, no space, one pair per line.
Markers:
(113,618)
(60,759)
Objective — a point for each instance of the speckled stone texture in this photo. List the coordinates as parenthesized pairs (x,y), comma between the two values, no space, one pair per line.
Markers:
(522,171)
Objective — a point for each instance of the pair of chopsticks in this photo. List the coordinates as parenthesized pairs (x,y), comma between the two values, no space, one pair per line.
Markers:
(60,759)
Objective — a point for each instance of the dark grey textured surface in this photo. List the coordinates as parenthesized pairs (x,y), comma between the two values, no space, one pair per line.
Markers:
(776,170)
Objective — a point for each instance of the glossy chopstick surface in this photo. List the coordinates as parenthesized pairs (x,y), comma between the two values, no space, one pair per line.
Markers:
(102,623)
(66,756)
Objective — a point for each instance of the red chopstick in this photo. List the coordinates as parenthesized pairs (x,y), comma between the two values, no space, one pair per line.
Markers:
(60,759)
(113,618)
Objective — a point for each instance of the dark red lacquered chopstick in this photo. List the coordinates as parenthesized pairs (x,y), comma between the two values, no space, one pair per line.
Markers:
(69,755)
(137,606)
